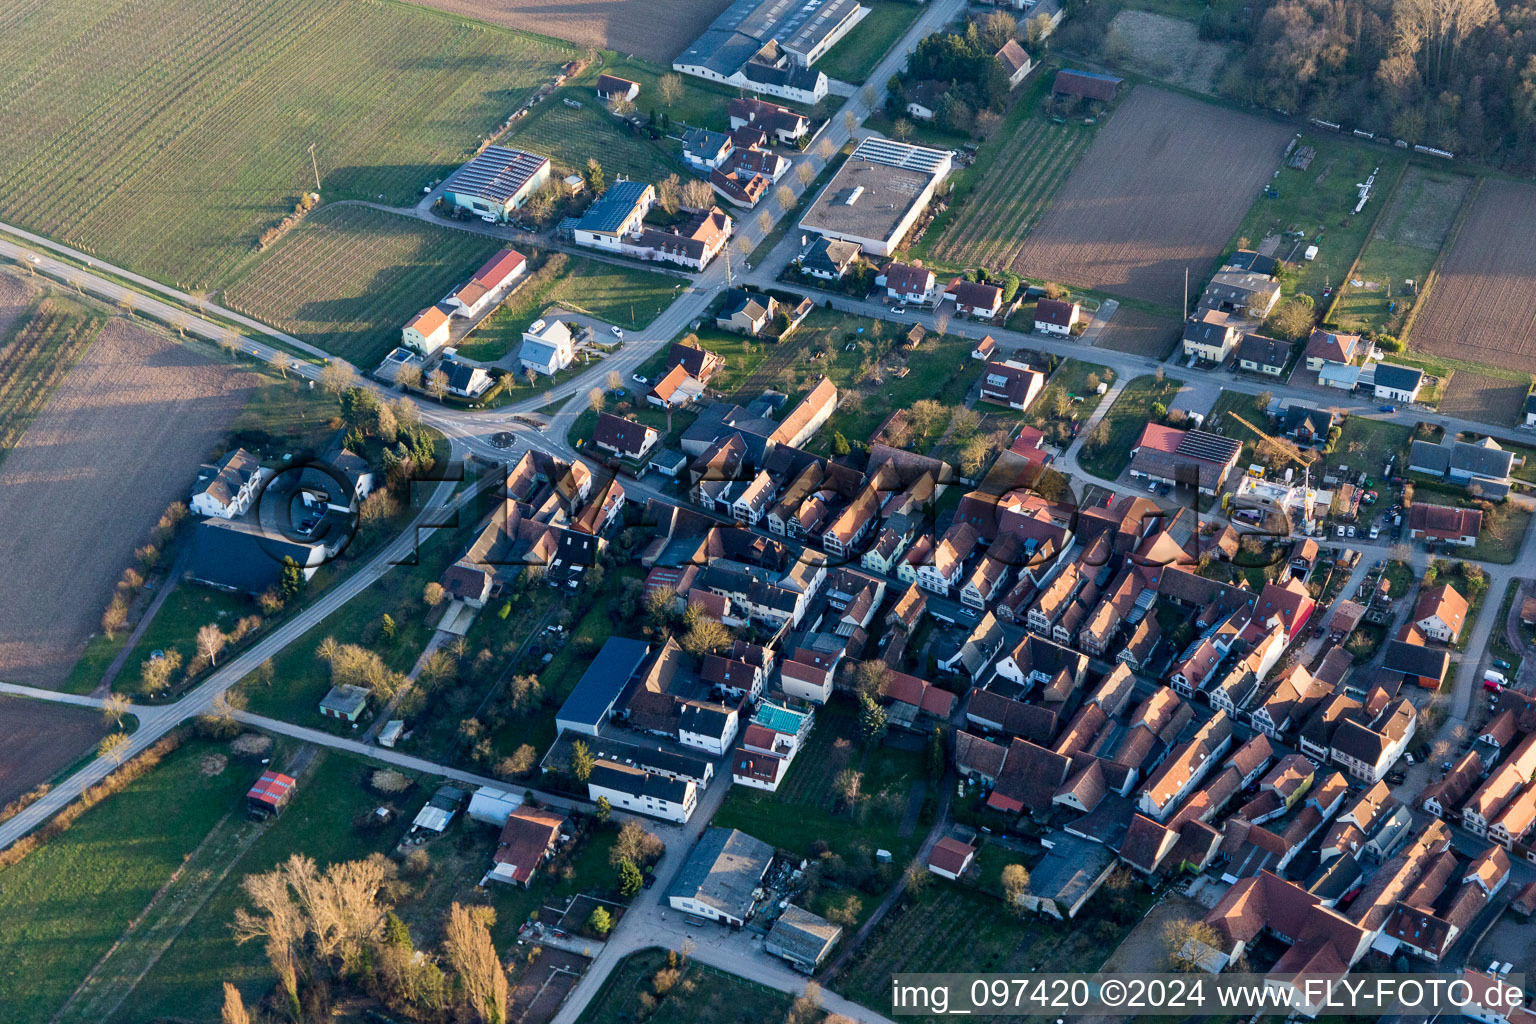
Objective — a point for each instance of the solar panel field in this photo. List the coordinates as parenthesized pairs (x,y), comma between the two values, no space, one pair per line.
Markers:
(166,135)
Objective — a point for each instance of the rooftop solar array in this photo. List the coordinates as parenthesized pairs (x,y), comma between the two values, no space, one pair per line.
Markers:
(1198,444)
(903,155)
(497,174)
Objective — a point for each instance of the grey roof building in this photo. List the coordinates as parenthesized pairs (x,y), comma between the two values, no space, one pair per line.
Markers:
(802,938)
(1483,463)
(721,875)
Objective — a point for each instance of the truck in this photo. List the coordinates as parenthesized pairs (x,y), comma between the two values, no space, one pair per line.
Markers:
(1494,681)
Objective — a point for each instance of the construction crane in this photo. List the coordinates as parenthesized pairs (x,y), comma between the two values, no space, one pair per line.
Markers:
(1308,496)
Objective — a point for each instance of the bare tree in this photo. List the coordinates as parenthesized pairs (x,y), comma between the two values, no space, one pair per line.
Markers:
(467,943)
(1182,942)
(614,380)
(408,377)
(335,378)
(669,193)
(805,173)
(850,122)
(902,129)
(210,641)
(743,246)
(115,707)
(784,196)
(697,195)
(941,321)
(437,384)
(596,399)
(278,921)
(114,747)
(670,88)
(234,1011)
(1015,886)
(825,149)
(115,617)
(764,221)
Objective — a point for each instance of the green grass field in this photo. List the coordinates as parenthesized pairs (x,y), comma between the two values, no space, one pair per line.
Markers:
(702,996)
(170,136)
(627,296)
(855,56)
(949,927)
(570,135)
(1131,412)
(1403,248)
(1319,203)
(186,982)
(67,902)
(349,277)
(41,349)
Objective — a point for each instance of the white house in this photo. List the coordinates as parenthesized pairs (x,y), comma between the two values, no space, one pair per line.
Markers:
(807,682)
(904,283)
(707,726)
(1053,316)
(227,489)
(642,791)
(618,212)
(427,331)
(489,285)
(1398,383)
(465,380)
(547,347)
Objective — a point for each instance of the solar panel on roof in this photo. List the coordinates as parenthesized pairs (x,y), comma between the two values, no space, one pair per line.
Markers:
(1197,444)
(497,174)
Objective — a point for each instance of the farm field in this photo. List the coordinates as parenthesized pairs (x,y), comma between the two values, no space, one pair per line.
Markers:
(38,740)
(655,29)
(1316,207)
(35,358)
(1161,189)
(855,56)
(1140,333)
(1479,305)
(1497,401)
(989,225)
(1167,47)
(16,297)
(197,120)
(349,277)
(627,296)
(1403,248)
(121,439)
(70,899)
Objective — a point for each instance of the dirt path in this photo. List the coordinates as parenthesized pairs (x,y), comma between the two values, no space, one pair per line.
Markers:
(172,578)
(146,939)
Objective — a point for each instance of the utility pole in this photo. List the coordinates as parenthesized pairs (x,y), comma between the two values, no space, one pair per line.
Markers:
(1184,310)
(316,165)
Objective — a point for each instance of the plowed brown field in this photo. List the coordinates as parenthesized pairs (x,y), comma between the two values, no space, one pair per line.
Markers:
(1482,305)
(1162,189)
(38,740)
(121,438)
(654,29)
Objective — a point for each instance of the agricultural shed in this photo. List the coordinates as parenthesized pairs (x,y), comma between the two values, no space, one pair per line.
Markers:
(600,686)
(1086,85)
(271,793)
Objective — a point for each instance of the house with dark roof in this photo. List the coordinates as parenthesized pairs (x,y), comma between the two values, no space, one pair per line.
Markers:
(779,123)
(1482,464)
(1398,383)
(1211,335)
(704,150)
(1189,458)
(1241,293)
(465,380)
(1057,316)
(642,791)
(829,258)
(1258,354)
(974,299)
(904,283)
(746,312)
(1011,383)
(612,87)
(225,489)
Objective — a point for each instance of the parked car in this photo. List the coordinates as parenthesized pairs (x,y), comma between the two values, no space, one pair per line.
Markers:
(1388,408)
(899,311)
(1375,530)
(617,333)
(1500,663)
(638,379)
